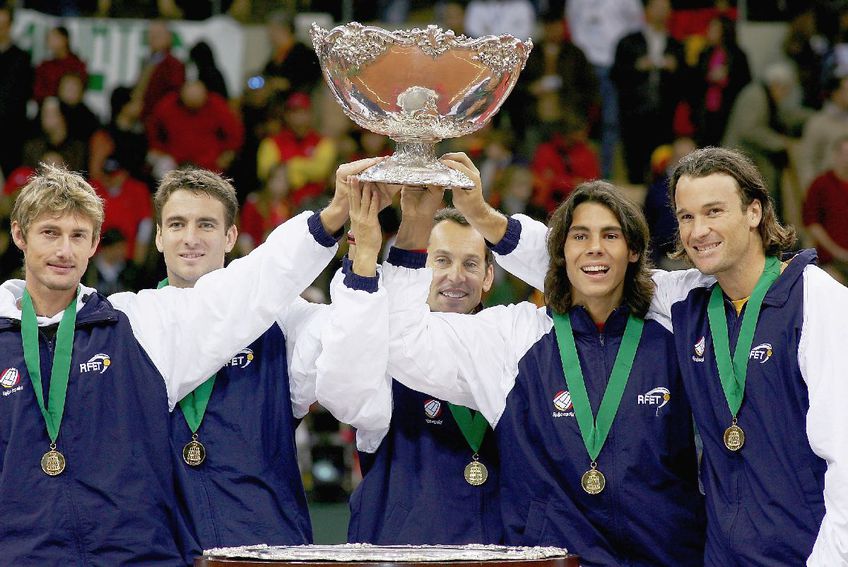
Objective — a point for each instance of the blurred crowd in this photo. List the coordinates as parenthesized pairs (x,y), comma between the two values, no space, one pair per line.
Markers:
(618,89)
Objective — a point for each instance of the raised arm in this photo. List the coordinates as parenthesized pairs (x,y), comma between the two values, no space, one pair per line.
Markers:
(519,242)
(351,369)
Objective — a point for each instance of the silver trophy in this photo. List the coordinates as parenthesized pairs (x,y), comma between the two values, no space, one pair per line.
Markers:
(418,87)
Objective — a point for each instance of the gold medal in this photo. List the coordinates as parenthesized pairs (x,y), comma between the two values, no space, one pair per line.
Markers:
(476,473)
(194,453)
(593,480)
(53,462)
(734,437)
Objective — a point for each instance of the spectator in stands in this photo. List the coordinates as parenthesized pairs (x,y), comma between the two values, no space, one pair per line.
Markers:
(825,211)
(764,123)
(496,17)
(806,48)
(309,156)
(207,71)
(498,156)
(53,136)
(193,126)
(659,211)
(596,27)
(293,66)
(647,72)
(15,88)
(558,69)
(109,268)
(265,210)
(563,162)
(162,73)
(451,16)
(82,122)
(722,72)
(63,61)
(123,137)
(128,208)
(821,130)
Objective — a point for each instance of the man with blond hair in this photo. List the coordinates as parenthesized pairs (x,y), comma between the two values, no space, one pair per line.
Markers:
(89,382)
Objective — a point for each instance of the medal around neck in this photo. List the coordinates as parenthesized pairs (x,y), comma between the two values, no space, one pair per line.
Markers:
(418,87)
(733,370)
(194,453)
(52,462)
(593,481)
(595,429)
(476,472)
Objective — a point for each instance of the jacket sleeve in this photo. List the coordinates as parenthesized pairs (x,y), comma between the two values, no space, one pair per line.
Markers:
(301,323)
(351,369)
(824,369)
(470,360)
(190,333)
(523,250)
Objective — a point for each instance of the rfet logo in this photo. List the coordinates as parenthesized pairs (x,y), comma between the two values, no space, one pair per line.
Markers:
(562,401)
(658,397)
(98,363)
(433,408)
(242,358)
(761,353)
(10,378)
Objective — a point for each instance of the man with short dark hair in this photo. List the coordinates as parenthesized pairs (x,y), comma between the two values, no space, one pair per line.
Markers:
(232,438)
(413,467)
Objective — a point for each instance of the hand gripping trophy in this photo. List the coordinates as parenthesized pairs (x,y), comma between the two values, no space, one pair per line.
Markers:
(418,87)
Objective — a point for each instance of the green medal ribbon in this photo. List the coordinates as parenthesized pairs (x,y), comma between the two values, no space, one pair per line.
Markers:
(473,428)
(194,404)
(734,371)
(60,372)
(595,430)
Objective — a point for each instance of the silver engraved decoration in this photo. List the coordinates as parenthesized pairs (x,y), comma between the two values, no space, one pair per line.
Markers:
(361,552)
(418,87)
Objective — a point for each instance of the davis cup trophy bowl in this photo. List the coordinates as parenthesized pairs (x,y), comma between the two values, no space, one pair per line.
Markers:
(418,87)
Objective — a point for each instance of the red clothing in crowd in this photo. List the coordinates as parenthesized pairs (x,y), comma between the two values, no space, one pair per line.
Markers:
(166,77)
(125,209)
(558,167)
(827,205)
(198,137)
(50,72)
(290,146)
(17,179)
(258,219)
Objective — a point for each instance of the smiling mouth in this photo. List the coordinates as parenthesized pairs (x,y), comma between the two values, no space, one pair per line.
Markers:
(707,247)
(191,255)
(453,294)
(595,270)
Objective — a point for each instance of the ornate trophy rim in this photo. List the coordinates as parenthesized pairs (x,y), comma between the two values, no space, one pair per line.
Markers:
(418,105)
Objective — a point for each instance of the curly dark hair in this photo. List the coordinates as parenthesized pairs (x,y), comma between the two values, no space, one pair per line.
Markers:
(750,185)
(638,286)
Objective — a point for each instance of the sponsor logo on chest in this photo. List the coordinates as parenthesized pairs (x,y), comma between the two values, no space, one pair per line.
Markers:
(433,411)
(760,353)
(562,404)
(98,364)
(657,397)
(241,359)
(10,381)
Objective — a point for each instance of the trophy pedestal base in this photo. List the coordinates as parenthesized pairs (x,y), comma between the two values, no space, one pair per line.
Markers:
(414,164)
